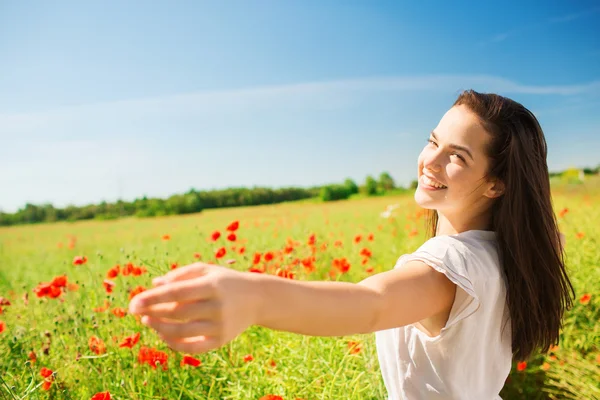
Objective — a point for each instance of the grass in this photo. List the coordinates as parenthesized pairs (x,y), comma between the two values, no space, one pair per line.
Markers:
(292,366)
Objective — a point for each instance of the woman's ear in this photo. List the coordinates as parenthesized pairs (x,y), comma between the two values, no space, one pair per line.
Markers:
(496,189)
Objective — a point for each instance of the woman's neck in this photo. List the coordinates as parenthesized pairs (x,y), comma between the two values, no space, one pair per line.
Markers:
(448,225)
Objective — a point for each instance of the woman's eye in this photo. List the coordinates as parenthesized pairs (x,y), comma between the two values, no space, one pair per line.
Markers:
(431,141)
(459,156)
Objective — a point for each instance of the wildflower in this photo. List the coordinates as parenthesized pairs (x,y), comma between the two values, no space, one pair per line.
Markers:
(166,237)
(152,357)
(248,358)
(108,285)
(231,237)
(366,252)
(197,256)
(545,366)
(32,356)
(79,260)
(585,298)
(357,238)
(256,258)
(215,235)
(521,366)
(189,360)
(221,252)
(130,341)
(59,281)
(563,212)
(113,272)
(174,265)
(354,347)
(580,235)
(96,345)
(2,326)
(370,237)
(134,292)
(119,312)
(269,256)
(271,397)
(101,396)
(233,226)
(312,239)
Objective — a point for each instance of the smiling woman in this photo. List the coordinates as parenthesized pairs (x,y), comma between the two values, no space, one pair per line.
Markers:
(487,287)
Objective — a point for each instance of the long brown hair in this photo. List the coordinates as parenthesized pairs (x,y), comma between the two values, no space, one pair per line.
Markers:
(538,287)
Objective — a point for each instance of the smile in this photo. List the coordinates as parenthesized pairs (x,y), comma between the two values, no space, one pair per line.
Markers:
(431,184)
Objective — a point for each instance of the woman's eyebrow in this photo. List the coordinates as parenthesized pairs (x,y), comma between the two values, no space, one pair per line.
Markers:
(456,146)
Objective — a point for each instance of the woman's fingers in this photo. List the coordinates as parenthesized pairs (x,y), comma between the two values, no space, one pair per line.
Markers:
(180,292)
(177,330)
(188,272)
(200,310)
(194,345)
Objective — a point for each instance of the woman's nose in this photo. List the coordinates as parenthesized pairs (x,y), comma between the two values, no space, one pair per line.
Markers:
(432,163)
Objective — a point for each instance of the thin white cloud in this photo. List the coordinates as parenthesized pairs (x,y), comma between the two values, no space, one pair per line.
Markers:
(111,116)
(500,37)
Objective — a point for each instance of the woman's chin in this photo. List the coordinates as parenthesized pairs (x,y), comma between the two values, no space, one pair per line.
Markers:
(424,200)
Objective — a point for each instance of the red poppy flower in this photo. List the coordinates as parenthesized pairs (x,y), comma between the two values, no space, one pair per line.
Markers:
(101,396)
(135,291)
(370,237)
(354,347)
(232,237)
(174,265)
(47,384)
(357,238)
(96,345)
(248,358)
(221,252)
(366,252)
(152,357)
(242,250)
(585,298)
(271,397)
(59,281)
(197,256)
(312,239)
(216,235)
(341,264)
(521,366)
(563,212)
(256,259)
(79,260)
(130,341)
(166,237)
(113,272)
(108,285)
(119,312)
(580,235)
(256,269)
(232,227)
(32,356)
(189,360)
(46,372)
(2,326)
(269,256)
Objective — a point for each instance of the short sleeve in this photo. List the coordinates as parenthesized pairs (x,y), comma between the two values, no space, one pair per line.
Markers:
(447,258)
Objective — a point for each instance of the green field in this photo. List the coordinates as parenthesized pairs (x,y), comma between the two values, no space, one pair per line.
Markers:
(58,330)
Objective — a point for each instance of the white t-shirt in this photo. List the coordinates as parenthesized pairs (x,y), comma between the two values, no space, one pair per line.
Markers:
(471,357)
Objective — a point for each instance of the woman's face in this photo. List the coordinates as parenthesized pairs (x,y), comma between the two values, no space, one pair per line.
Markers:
(454,157)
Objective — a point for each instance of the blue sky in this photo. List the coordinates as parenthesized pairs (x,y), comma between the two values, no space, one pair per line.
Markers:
(101,100)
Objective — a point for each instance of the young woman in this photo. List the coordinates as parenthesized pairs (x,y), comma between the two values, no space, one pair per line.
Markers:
(488,287)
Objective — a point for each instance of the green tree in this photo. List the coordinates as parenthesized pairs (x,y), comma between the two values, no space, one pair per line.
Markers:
(370,186)
(386,181)
(351,185)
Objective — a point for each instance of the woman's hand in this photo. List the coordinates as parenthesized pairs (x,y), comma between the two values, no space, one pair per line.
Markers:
(199,307)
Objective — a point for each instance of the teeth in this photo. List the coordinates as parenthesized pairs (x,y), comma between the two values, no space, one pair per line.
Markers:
(429,182)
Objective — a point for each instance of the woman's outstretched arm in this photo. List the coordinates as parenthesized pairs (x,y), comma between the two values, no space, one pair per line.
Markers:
(386,300)
(201,307)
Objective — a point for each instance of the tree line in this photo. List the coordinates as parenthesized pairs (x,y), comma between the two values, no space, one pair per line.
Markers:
(195,201)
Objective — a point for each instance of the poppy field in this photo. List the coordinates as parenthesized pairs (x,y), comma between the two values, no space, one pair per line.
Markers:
(65,332)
